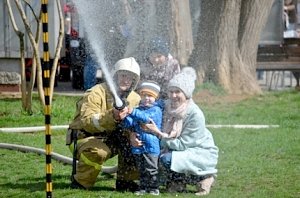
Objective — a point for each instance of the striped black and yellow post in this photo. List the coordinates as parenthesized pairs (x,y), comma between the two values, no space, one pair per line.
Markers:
(46,86)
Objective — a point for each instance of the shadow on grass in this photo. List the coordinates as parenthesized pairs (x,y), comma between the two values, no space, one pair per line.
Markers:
(58,181)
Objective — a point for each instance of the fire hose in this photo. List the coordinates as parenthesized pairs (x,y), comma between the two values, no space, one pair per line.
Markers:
(58,157)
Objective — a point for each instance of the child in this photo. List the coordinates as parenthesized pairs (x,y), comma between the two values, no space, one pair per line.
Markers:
(147,154)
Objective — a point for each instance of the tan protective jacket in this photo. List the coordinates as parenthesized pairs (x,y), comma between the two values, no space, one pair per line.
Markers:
(94,110)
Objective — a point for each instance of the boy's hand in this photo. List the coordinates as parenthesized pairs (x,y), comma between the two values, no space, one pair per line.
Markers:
(134,141)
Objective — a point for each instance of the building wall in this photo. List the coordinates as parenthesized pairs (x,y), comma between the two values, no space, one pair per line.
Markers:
(9,41)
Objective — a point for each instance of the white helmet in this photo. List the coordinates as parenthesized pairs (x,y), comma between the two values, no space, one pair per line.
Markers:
(128,64)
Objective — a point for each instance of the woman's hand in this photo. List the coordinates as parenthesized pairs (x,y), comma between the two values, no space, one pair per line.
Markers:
(134,141)
(151,127)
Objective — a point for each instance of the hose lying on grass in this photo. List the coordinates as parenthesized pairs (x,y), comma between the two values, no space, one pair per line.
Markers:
(68,160)
(55,156)
(31,129)
(57,127)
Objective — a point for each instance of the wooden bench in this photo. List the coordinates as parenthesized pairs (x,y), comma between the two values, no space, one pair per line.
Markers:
(285,57)
(278,66)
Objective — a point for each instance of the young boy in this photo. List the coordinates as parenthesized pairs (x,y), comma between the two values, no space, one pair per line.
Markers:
(147,153)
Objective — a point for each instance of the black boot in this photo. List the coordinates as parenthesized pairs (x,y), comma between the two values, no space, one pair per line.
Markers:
(176,182)
(76,185)
(123,186)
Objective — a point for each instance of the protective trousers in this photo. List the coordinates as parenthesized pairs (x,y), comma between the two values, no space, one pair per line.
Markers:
(127,170)
(94,151)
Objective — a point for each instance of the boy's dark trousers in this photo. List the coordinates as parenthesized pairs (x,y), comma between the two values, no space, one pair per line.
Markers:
(147,165)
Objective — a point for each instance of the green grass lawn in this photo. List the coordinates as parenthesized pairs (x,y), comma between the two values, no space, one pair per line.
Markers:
(252,162)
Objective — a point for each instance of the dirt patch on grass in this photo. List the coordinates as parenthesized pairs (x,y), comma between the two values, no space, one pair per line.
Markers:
(207,97)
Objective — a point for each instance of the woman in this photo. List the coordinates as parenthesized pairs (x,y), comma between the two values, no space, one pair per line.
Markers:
(161,65)
(189,153)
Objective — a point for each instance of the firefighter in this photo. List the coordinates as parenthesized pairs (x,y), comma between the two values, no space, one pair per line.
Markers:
(96,129)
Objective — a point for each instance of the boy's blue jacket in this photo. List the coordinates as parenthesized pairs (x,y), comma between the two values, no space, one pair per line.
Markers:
(142,115)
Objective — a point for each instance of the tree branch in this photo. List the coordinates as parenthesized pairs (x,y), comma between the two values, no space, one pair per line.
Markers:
(58,48)
(22,54)
(35,49)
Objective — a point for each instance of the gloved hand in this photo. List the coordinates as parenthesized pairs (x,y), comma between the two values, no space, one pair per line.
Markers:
(120,114)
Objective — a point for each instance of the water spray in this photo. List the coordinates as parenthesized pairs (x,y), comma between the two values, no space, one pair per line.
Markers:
(88,13)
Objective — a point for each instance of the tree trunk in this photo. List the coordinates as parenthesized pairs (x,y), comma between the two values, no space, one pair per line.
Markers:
(182,31)
(170,20)
(36,65)
(142,22)
(22,53)
(226,46)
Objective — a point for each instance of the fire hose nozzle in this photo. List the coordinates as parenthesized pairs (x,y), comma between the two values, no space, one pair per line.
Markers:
(118,107)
